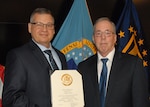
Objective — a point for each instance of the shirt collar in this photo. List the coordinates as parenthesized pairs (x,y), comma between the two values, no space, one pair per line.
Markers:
(43,48)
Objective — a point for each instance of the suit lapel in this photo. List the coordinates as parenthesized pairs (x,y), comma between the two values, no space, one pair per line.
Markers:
(39,55)
(94,76)
(113,74)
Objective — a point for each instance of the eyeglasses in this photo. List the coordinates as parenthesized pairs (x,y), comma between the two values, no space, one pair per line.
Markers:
(107,33)
(40,25)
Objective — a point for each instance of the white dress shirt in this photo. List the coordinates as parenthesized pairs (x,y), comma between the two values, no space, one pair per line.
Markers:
(55,56)
(108,63)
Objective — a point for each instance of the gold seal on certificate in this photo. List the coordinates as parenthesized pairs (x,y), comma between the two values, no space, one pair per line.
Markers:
(66,79)
(67,89)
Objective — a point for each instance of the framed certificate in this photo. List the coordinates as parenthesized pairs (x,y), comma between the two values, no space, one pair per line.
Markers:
(67,89)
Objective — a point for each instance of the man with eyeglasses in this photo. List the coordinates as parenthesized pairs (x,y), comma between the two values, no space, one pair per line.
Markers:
(111,78)
(28,68)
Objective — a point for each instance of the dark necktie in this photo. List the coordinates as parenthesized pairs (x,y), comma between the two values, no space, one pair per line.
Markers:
(51,59)
(103,80)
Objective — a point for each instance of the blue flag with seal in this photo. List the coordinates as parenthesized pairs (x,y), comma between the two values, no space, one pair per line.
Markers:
(130,35)
(74,38)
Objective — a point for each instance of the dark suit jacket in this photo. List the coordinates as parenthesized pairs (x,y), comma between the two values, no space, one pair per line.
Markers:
(127,85)
(27,79)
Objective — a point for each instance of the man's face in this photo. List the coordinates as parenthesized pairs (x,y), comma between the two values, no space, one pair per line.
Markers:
(104,37)
(42,29)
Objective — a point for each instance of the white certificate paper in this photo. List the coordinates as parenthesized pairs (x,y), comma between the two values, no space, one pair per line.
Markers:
(67,89)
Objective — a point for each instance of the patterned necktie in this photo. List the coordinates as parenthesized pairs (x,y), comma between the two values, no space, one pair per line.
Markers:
(52,61)
(103,80)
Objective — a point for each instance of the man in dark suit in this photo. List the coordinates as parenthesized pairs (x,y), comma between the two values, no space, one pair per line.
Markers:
(126,84)
(27,76)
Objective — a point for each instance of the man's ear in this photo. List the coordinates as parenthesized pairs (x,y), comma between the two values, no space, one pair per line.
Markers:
(29,27)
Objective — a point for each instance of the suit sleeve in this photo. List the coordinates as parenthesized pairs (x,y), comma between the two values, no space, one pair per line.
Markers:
(140,86)
(15,83)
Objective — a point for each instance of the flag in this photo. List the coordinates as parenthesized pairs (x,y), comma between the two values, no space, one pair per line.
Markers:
(131,37)
(1,82)
(74,38)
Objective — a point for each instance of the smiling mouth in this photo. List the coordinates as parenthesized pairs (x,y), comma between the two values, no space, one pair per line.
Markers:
(43,34)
